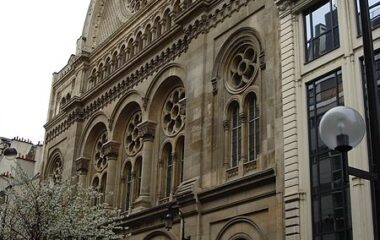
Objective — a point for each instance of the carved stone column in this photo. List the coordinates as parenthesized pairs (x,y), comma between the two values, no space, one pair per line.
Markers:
(111,151)
(244,138)
(226,128)
(175,173)
(146,130)
(144,40)
(153,30)
(129,53)
(82,170)
(163,25)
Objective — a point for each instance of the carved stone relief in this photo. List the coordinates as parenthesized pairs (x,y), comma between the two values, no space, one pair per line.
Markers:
(173,116)
(100,159)
(133,139)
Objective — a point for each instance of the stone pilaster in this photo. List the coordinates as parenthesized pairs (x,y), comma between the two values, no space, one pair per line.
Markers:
(82,165)
(111,151)
(147,131)
(244,138)
(226,128)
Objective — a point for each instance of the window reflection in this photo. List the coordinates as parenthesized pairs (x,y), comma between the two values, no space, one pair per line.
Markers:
(330,206)
(374,13)
(321,29)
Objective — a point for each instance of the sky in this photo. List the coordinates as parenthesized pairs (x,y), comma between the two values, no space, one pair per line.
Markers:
(37,38)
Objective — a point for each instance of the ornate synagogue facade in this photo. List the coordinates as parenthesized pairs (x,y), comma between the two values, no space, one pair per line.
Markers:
(175,105)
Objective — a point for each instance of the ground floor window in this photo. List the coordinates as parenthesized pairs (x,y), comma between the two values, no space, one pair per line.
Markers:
(331,217)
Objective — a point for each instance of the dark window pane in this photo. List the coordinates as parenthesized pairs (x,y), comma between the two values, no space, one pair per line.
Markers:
(236,135)
(374,13)
(321,29)
(330,197)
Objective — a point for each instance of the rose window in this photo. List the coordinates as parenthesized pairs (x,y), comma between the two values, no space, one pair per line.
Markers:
(173,116)
(100,160)
(242,69)
(133,141)
(57,170)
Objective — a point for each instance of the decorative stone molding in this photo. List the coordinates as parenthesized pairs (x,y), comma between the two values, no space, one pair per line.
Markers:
(82,165)
(133,140)
(100,157)
(226,125)
(243,117)
(145,101)
(147,130)
(198,26)
(214,82)
(182,104)
(242,69)
(173,113)
(111,150)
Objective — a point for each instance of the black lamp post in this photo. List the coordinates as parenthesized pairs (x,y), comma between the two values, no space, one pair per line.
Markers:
(169,218)
(373,111)
(341,129)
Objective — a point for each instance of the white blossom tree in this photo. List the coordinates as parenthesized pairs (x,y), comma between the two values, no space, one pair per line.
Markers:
(40,209)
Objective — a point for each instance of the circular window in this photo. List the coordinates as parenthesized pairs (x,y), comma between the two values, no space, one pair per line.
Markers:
(242,69)
(133,140)
(173,114)
(100,160)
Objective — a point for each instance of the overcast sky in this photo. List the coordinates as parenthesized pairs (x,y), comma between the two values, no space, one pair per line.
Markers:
(37,38)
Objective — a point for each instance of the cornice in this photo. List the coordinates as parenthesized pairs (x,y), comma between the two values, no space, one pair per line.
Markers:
(261,178)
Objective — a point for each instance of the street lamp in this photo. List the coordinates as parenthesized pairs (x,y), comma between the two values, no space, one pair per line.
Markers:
(169,218)
(341,129)
(8,152)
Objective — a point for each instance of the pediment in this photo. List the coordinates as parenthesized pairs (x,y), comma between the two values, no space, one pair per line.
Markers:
(105,17)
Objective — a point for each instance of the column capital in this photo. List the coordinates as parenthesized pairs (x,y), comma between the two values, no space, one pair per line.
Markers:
(243,117)
(147,130)
(81,165)
(111,149)
(226,125)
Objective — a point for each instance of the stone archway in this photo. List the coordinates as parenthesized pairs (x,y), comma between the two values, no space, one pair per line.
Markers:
(241,228)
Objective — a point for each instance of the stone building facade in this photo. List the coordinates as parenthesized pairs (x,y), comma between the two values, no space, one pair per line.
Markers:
(322,67)
(29,157)
(175,103)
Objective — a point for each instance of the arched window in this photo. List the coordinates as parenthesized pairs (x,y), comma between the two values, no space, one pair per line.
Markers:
(181,157)
(176,8)
(128,186)
(148,33)
(235,134)
(169,169)
(173,117)
(122,56)
(138,176)
(92,80)
(107,67)
(167,20)
(101,72)
(102,187)
(253,128)
(55,168)
(114,62)
(157,26)
(130,49)
(139,42)
(96,185)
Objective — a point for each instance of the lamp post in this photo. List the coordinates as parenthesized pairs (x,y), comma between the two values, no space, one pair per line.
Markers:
(341,129)
(169,218)
(373,110)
